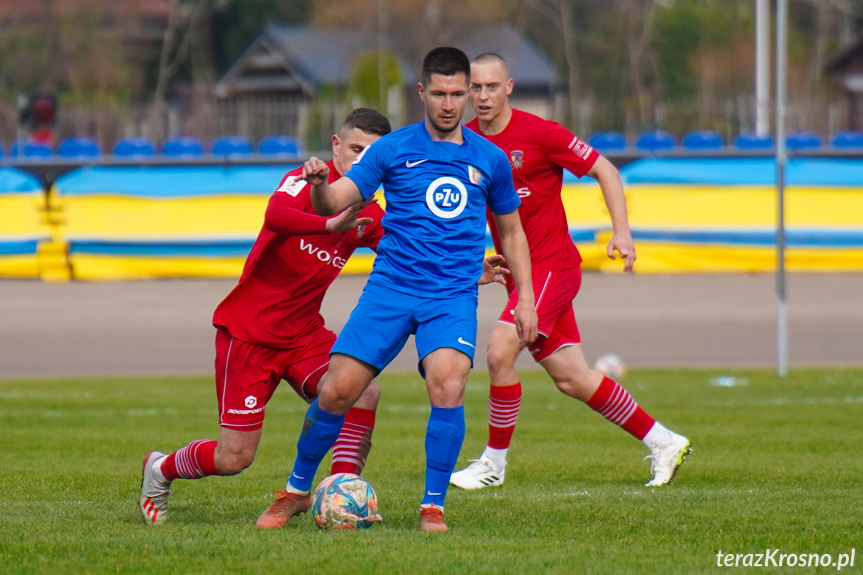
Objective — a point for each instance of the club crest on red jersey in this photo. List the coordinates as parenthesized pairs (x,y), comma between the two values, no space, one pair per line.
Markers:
(516,158)
(580,149)
(361,231)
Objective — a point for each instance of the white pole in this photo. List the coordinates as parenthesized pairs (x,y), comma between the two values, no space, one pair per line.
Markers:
(781,73)
(762,67)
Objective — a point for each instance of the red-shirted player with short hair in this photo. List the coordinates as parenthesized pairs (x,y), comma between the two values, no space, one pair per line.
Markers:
(539,151)
(270,328)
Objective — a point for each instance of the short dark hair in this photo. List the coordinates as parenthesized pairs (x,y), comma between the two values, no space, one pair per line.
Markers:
(369,121)
(446,61)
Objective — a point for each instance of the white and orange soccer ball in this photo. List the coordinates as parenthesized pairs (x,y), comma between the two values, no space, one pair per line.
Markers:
(610,365)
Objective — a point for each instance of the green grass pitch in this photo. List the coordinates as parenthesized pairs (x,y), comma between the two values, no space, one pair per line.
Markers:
(776,464)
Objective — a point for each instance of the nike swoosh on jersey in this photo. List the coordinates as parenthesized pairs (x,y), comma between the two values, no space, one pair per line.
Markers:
(410,164)
(461,341)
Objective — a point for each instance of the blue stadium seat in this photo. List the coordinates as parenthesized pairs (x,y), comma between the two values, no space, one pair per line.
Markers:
(803,141)
(1,150)
(702,140)
(606,141)
(182,147)
(753,141)
(848,140)
(655,140)
(279,146)
(79,148)
(31,151)
(231,146)
(134,148)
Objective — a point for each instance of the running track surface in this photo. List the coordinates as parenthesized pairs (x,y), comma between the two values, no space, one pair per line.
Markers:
(707,320)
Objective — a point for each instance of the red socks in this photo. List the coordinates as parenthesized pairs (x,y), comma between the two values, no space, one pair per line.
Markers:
(349,452)
(354,442)
(503,405)
(191,462)
(616,405)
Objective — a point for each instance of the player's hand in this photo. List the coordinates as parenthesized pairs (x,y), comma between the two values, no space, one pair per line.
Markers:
(525,322)
(348,220)
(622,244)
(492,270)
(315,171)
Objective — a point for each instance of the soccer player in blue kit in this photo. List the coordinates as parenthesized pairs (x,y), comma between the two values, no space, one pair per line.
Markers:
(438,180)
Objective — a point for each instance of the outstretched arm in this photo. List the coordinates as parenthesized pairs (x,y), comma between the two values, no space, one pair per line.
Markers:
(612,192)
(328,199)
(513,243)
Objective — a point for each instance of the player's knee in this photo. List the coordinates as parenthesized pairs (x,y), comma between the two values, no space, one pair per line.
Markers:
(334,399)
(234,463)
(499,358)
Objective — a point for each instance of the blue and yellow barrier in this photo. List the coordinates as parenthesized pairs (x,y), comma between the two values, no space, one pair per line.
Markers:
(27,246)
(686,214)
(155,222)
(720,215)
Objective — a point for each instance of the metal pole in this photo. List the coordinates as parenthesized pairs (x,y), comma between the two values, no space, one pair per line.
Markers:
(781,80)
(762,67)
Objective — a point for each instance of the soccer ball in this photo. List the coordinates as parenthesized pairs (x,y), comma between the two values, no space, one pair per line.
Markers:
(610,365)
(345,501)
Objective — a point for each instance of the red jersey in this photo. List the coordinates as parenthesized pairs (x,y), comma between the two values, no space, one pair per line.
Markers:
(538,152)
(290,267)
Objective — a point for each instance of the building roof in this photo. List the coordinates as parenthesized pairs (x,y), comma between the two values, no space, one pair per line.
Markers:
(301,60)
(293,59)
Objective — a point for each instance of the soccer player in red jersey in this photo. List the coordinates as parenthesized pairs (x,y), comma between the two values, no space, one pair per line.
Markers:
(270,327)
(539,151)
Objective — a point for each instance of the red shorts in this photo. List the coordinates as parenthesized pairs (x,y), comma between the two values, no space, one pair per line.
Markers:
(248,374)
(554,292)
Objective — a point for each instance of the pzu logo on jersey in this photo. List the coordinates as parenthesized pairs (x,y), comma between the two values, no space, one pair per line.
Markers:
(446,197)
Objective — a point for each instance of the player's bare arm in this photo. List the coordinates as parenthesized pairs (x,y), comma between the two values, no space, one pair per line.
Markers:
(329,199)
(513,243)
(611,185)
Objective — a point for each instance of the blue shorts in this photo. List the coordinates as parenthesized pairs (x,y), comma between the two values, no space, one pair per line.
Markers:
(379,326)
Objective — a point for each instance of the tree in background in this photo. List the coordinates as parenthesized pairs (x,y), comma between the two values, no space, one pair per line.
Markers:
(627,64)
(679,64)
(70,54)
(236,23)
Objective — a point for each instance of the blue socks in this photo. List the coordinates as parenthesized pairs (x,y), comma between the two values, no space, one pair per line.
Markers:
(444,437)
(320,431)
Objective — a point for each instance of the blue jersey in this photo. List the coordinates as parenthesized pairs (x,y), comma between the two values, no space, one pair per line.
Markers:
(436,196)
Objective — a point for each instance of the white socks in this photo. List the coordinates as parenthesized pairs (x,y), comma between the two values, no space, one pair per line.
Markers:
(658,436)
(496,456)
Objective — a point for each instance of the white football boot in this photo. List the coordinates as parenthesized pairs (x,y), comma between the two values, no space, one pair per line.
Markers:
(154,494)
(479,474)
(666,460)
